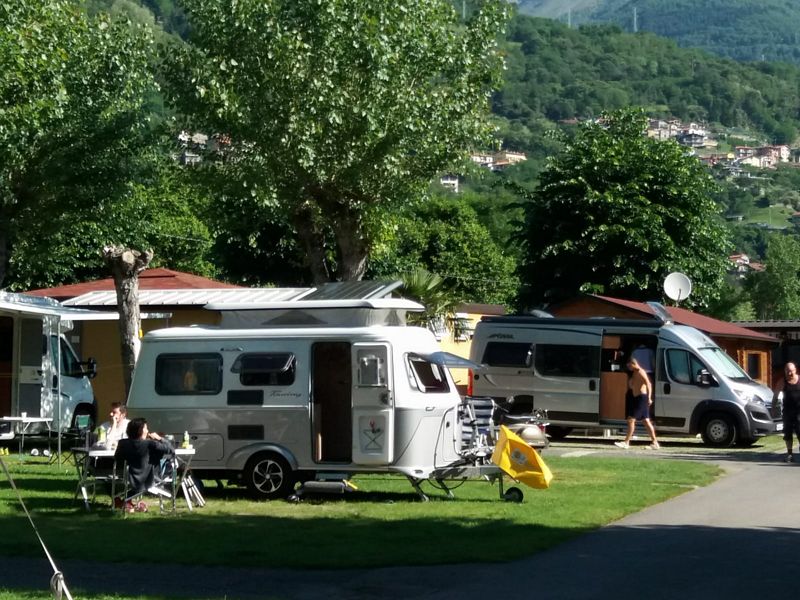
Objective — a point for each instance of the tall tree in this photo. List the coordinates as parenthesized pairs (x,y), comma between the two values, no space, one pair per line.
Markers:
(337,110)
(775,291)
(71,127)
(616,211)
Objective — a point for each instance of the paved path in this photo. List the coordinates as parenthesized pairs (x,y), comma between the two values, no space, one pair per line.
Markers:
(737,538)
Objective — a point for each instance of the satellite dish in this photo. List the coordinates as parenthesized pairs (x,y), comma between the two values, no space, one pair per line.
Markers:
(677,286)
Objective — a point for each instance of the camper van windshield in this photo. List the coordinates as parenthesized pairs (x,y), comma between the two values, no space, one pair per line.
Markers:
(722,363)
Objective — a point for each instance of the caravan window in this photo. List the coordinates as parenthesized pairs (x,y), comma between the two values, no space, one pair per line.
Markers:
(188,374)
(265,368)
(567,360)
(508,354)
(426,376)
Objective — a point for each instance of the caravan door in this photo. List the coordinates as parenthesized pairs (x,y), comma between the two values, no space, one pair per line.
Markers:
(373,404)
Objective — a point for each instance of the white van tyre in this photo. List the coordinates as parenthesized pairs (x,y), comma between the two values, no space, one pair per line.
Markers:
(719,430)
(268,475)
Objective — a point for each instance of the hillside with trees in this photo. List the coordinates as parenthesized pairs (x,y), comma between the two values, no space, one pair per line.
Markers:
(745,30)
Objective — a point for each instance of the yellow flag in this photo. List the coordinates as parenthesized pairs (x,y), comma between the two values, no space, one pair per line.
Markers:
(519,461)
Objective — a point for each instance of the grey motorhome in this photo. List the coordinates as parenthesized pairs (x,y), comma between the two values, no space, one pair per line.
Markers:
(304,390)
(575,369)
(40,373)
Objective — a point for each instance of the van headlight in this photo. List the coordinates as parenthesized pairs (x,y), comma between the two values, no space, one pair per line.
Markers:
(748,396)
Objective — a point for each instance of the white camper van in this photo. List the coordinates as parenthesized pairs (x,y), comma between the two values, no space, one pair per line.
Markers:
(40,373)
(300,391)
(575,370)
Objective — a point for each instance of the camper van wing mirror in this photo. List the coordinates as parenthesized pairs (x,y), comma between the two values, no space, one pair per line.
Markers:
(90,368)
(705,379)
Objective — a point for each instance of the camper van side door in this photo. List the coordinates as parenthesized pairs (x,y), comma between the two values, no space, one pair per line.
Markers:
(373,405)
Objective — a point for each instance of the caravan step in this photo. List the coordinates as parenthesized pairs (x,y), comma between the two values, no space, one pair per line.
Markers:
(324,487)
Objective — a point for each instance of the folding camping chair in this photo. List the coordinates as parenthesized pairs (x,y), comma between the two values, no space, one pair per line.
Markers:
(130,495)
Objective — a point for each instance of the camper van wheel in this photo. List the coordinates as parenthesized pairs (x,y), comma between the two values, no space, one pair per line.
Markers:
(719,430)
(555,432)
(513,494)
(267,475)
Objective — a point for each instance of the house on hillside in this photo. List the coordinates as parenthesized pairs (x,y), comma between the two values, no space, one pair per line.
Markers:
(751,349)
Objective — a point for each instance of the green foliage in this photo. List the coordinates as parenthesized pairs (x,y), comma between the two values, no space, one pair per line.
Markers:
(338,110)
(615,212)
(446,237)
(747,30)
(775,292)
(164,214)
(71,123)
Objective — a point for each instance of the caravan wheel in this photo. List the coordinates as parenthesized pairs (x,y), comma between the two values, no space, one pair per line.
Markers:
(267,475)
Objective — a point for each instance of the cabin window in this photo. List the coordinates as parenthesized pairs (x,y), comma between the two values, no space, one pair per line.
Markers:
(754,365)
(188,374)
(426,376)
(265,368)
(683,367)
(508,354)
(562,360)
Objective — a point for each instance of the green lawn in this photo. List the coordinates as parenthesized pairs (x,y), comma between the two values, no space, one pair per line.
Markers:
(383,523)
(774,216)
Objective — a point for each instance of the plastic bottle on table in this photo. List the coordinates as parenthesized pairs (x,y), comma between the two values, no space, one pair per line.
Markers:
(185,443)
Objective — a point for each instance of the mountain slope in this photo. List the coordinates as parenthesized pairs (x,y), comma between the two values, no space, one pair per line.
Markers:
(745,30)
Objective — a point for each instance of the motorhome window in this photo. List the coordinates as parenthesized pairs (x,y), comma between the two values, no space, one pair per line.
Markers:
(265,368)
(372,367)
(567,360)
(188,374)
(426,376)
(723,364)
(507,354)
(683,366)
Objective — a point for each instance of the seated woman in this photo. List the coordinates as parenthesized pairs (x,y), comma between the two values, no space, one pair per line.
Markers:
(142,451)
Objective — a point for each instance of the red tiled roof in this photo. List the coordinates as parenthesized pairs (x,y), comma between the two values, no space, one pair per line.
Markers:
(693,319)
(150,279)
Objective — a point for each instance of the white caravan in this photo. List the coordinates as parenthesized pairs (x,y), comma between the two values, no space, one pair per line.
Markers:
(40,373)
(303,391)
(575,370)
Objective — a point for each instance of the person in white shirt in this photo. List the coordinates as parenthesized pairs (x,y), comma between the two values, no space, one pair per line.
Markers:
(115,429)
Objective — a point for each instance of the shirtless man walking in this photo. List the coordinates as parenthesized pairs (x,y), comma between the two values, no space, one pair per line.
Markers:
(638,398)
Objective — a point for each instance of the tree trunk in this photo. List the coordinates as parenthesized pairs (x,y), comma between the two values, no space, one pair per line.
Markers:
(350,241)
(352,255)
(312,240)
(126,264)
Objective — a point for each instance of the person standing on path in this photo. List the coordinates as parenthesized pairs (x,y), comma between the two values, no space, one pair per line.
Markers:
(638,399)
(788,390)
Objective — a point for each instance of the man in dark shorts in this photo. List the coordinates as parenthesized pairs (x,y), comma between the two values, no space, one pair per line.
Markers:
(638,399)
(788,389)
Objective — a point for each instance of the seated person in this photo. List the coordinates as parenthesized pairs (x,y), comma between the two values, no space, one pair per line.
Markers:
(116,428)
(143,450)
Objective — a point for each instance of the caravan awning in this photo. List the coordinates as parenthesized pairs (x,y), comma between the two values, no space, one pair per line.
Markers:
(31,305)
